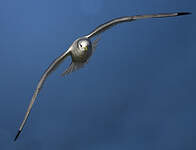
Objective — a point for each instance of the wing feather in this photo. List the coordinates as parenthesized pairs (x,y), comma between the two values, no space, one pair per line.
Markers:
(116,21)
(51,68)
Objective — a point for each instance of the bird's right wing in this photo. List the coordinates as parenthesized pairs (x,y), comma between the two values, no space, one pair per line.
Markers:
(51,68)
(116,21)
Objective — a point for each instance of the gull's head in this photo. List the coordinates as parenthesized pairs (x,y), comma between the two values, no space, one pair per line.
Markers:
(84,45)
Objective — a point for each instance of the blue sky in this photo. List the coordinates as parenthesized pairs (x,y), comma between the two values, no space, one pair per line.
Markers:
(137,91)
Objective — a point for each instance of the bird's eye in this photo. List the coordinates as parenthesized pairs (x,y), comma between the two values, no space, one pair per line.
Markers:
(80,45)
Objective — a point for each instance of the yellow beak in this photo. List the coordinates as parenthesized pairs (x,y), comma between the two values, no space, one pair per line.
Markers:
(86,48)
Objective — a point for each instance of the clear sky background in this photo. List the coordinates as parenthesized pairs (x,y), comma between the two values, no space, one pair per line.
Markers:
(136,93)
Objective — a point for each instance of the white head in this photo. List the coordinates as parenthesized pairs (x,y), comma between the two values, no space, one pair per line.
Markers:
(84,45)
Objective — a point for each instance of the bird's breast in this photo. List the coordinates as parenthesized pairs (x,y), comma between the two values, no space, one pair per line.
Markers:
(81,56)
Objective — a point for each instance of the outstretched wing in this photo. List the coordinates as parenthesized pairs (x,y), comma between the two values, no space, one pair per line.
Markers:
(51,68)
(116,21)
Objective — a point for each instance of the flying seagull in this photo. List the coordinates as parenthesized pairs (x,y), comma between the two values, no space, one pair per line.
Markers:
(81,50)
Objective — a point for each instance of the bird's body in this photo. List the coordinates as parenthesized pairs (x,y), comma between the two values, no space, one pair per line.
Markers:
(79,55)
(81,50)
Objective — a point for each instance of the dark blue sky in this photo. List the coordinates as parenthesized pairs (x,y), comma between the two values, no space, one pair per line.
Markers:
(137,91)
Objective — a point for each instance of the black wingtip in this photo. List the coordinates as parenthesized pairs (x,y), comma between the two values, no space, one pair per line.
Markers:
(19,131)
(184,13)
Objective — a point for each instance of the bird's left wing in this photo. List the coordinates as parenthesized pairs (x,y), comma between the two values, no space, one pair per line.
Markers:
(51,68)
(116,21)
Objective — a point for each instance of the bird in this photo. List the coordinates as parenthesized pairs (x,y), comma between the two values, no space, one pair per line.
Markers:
(81,50)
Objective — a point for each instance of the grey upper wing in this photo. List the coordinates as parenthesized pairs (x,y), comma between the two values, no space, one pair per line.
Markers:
(116,21)
(51,68)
